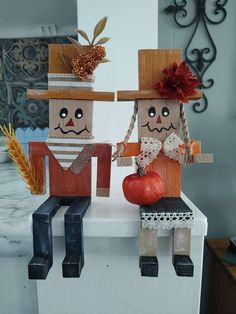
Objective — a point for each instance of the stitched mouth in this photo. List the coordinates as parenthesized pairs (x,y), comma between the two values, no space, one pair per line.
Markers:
(71,131)
(158,130)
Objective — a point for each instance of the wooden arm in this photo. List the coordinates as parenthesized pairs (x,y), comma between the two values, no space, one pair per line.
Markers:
(37,152)
(103,152)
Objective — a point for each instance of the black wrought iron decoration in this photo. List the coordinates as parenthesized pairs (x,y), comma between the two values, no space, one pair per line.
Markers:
(199,59)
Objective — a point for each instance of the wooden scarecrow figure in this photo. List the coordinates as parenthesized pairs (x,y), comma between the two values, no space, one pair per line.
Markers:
(69,147)
(164,85)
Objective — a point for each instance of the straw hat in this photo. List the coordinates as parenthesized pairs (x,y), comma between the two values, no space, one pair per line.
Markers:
(151,63)
(62,84)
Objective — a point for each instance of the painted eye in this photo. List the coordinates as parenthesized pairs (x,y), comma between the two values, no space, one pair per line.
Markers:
(165,112)
(79,113)
(63,113)
(151,112)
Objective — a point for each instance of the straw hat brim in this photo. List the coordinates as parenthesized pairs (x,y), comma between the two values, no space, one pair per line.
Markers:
(132,95)
(70,94)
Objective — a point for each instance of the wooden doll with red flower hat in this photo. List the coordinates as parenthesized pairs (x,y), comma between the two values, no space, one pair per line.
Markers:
(164,85)
(69,148)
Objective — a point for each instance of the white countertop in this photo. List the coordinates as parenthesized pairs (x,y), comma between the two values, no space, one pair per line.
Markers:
(106,217)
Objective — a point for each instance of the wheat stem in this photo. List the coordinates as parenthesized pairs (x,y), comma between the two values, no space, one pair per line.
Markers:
(24,167)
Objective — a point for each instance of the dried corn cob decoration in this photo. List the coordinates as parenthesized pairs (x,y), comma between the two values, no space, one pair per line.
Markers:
(87,63)
(84,65)
(23,165)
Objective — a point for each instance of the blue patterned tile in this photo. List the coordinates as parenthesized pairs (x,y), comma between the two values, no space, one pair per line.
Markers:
(24,64)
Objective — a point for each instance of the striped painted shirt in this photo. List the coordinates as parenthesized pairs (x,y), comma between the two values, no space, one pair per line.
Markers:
(66,150)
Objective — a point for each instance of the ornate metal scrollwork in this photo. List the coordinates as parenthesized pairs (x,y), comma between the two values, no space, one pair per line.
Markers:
(199,59)
(23,65)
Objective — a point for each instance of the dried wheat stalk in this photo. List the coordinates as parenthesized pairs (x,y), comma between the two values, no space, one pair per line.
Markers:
(23,165)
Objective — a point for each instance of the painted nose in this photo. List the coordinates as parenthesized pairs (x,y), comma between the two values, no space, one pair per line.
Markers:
(158,119)
(70,123)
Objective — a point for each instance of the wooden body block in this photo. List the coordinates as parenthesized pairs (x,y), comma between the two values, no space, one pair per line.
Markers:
(65,182)
(170,173)
(70,94)
(168,169)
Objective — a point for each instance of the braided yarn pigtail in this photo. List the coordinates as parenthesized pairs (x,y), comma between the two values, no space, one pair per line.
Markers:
(188,159)
(122,145)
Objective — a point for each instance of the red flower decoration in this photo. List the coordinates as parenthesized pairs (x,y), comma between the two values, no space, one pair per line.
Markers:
(178,82)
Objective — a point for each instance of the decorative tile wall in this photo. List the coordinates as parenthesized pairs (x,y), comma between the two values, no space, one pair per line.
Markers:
(24,64)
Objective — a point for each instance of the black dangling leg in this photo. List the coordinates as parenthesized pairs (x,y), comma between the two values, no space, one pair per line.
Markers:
(42,260)
(181,252)
(148,262)
(183,265)
(74,259)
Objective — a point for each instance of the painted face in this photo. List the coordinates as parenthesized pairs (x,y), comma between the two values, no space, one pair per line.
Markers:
(70,118)
(158,118)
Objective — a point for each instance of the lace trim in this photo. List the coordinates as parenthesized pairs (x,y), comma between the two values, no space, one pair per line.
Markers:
(150,148)
(172,149)
(167,220)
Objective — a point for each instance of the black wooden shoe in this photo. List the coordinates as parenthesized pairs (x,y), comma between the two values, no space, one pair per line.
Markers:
(183,265)
(72,266)
(38,267)
(148,266)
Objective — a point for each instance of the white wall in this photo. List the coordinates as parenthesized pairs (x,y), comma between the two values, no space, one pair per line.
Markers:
(212,187)
(132,25)
(24,18)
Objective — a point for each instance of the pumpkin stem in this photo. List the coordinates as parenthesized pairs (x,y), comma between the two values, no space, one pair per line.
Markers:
(140,170)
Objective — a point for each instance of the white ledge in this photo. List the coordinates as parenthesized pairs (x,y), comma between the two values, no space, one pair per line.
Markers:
(106,217)
(115,217)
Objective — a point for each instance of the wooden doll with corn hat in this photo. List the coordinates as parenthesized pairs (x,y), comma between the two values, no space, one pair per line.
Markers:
(69,148)
(164,85)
